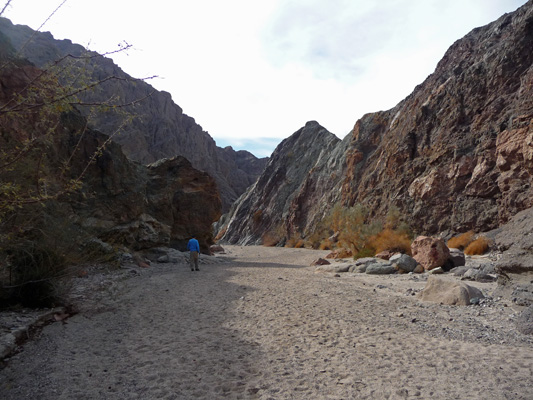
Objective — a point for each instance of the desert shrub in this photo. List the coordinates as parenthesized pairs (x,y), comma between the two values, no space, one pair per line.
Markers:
(326,244)
(355,233)
(34,277)
(479,246)
(389,239)
(462,241)
(365,252)
(295,242)
(343,253)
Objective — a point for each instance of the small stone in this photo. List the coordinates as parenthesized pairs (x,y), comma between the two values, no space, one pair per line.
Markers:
(474,300)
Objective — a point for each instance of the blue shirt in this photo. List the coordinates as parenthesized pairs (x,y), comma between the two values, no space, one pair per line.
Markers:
(193,245)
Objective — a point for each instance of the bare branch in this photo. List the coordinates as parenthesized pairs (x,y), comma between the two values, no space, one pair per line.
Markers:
(5,6)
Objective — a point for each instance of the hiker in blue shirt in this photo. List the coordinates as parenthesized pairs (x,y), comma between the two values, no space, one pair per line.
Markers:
(194,248)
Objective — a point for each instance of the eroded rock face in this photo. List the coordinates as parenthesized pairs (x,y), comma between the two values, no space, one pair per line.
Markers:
(120,201)
(515,239)
(289,196)
(455,155)
(159,130)
(162,204)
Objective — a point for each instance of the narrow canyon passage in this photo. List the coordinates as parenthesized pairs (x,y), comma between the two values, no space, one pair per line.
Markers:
(263,325)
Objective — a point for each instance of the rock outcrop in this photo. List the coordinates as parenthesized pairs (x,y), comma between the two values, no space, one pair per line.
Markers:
(291,191)
(159,129)
(455,155)
(119,201)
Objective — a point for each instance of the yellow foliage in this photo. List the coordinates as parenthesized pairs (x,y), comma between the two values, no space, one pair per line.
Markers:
(295,242)
(462,241)
(325,244)
(391,240)
(478,246)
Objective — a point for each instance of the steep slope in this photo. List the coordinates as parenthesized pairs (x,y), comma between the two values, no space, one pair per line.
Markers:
(160,129)
(457,154)
(290,192)
(118,200)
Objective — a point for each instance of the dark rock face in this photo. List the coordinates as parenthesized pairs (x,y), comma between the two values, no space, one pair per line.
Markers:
(120,201)
(161,204)
(455,155)
(515,239)
(159,130)
(290,190)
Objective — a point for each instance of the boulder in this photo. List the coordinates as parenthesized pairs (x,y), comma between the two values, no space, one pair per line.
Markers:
(365,261)
(333,268)
(403,262)
(419,269)
(216,248)
(524,323)
(459,271)
(379,268)
(457,257)
(444,291)
(430,252)
(385,255)
(478,275)
(359,268)
(320,261)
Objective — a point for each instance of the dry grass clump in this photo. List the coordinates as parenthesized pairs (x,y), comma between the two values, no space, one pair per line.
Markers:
(389,239)
(295,242)
(462,241)
(326,244)
(477,247)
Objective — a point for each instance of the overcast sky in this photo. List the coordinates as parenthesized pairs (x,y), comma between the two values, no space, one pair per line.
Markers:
(252,72)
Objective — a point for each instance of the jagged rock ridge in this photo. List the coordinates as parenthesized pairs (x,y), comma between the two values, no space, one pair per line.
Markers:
(160,129)
(456,154)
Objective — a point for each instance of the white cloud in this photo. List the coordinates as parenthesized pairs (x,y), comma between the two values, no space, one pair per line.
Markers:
(247,70)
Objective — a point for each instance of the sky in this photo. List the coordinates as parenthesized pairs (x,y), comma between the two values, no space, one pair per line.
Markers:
(252,72)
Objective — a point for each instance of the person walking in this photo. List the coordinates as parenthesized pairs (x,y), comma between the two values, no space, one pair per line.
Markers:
(194,251)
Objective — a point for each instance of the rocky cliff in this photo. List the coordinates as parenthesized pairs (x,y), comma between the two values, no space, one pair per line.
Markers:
(118,201)
(296,173)
(159,128)
(456,154)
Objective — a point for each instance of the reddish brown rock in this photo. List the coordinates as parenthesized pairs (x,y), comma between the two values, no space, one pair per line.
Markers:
(320,261)
(455,155)
(385,255)
(340,253)
(430,252)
